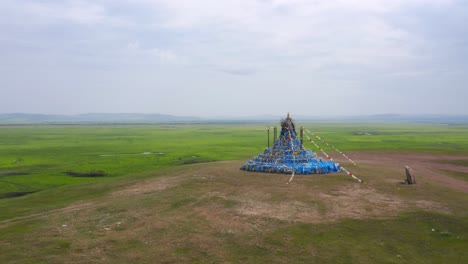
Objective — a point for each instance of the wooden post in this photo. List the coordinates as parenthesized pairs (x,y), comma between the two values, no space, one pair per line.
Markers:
(302,137)
(268,132)
(275,134)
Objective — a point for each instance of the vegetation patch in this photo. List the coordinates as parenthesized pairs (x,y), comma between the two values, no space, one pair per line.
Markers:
(14,194)
(409,238)
(4,174)
(456,174)
(194,161)
(463,163)
(86,174)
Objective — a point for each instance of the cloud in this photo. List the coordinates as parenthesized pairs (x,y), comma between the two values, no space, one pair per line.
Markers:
(341,50)
(239,71)
(162,55)
(81,12)
(251,34)
(349,32)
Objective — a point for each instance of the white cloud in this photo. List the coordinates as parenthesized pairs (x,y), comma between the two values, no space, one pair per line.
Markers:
(83,12)
(165,56)
(340,50)
(344,32)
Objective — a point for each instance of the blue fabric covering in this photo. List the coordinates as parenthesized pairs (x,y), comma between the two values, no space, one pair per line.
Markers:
(287,156)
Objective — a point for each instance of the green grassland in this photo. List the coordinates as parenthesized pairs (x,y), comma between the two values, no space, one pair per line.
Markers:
(43,154)
(35,159)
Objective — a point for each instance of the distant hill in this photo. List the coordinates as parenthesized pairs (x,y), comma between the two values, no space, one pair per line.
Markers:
(385,118)
(426,118)
(20,118)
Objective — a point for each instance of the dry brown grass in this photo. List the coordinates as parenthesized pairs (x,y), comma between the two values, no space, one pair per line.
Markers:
(189,215)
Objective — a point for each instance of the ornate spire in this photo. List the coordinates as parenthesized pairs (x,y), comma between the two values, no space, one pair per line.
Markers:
(287,124)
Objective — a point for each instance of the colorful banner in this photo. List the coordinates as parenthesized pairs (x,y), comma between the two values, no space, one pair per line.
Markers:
(331,159)
(331,146)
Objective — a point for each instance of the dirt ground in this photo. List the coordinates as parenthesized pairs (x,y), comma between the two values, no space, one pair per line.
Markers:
(253,192)
(268,195)
(425,166)
(200,205)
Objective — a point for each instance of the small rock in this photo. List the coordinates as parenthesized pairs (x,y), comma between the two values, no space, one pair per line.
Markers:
(64,225)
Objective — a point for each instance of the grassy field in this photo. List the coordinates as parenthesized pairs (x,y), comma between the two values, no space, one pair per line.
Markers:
(34,158)
(41,155)
(181,211)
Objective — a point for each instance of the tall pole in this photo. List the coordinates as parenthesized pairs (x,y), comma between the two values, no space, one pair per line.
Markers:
(302,137)
(274,135)
(268,132)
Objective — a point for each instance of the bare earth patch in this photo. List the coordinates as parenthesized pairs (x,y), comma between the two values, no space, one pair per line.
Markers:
(252,191)
(148,186)
(252,194)
(191,211)
(425,166)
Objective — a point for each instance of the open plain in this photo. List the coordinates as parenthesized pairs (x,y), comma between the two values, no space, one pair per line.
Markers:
(174,193)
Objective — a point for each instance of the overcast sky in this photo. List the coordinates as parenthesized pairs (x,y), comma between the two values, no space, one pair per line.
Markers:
(234,58)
